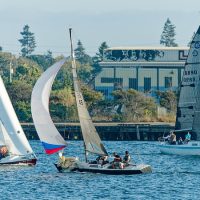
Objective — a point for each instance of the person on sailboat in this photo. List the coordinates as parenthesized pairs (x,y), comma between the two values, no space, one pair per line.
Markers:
(180,141)
(168,138)
(3,152)
(127,158)
(102,160)
(187,137)
(173,138)
(117,162)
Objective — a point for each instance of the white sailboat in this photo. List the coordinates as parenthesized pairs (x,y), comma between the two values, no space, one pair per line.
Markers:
(14,146)
(188,109)
(53,140)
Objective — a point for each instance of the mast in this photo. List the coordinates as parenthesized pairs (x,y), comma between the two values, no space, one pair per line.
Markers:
(74,67)
(92,141)
(71,43)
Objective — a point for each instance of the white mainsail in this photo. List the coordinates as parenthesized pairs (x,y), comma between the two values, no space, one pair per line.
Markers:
(10,126)
(7,141)
(2,139)
(47,132)
(91,138)
(188,111)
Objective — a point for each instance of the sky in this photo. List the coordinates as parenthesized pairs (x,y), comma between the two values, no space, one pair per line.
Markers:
(118,22)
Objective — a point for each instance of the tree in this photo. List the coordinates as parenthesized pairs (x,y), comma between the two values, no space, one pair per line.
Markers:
(27,42)
(20,94)
(168,99)
(19,91)
(64,77)
(44,61)
(5,60)
(134,105)
(104,110)
(23,111)
(63,96)
(98,58)
(80,54)
(99,55)
(91,96)
(1,48)
(62,105)
(27,70)
(168,35)
(49,57)
(84,72)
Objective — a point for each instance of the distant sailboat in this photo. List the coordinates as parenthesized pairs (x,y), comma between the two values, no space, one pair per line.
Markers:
(14,146)
(188,109)
(92,141)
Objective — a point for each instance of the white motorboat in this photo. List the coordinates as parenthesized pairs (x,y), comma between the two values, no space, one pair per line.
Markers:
(192,148)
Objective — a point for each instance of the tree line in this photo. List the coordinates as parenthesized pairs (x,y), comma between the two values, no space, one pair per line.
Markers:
(129,105)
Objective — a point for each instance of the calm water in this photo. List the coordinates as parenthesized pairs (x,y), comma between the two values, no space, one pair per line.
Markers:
(173,177)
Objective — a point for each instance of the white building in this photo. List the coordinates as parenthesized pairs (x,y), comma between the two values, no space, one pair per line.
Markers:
(146,69)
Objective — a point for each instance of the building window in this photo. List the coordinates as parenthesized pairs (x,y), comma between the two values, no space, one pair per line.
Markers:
(147,84)
(133,83)
(168,82)
(112,80)
(119,81)
(106,80)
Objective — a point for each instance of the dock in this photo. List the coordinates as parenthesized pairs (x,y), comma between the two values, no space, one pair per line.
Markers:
(109,131)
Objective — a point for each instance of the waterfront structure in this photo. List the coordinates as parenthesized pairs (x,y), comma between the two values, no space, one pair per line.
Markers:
(146,69)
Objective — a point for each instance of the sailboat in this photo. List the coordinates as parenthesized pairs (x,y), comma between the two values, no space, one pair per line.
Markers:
(14,146)
(188,109)
(53,141)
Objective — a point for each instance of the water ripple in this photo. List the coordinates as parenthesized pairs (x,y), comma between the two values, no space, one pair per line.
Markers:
(173,177)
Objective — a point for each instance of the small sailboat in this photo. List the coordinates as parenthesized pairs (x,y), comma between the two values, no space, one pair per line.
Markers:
(188,109)
(53,141)
(14,146)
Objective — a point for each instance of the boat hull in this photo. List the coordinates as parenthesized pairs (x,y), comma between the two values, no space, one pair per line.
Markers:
(116,171)
(18,160)
(106,169)
(190,149)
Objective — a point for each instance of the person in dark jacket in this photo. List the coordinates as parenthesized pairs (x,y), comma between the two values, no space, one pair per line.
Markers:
(117,162)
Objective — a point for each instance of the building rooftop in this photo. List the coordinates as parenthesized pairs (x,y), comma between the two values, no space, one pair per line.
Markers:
(144,64)
(148,48)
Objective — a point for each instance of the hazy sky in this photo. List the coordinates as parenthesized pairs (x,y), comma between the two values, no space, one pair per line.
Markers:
(118,22)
